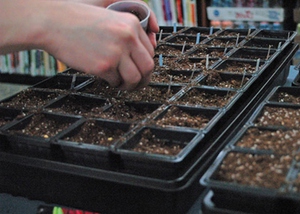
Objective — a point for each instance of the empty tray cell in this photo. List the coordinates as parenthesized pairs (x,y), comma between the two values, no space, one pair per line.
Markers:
(158,141)
(78,105)
(183,116)
(174,77)
(7,115)
(278,141)
(224,42)
(224,80)
(253,53)
(279,116)
(227,33)
(129,111)
(171,49)
(275,34)
(63,82)
(289,95)
(240,66)
(152,93)
(212,52)
(197,96)
(202,30)
(264,43)
(29,99)
(88,143)
(184,39)
(101,88)
(253,170)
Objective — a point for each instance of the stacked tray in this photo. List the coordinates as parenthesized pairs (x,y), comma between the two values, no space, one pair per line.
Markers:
(258,170)
(153,144)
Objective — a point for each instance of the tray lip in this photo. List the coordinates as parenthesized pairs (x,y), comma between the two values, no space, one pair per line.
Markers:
(167,185)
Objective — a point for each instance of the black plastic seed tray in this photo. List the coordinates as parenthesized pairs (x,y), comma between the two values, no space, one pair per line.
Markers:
(123,179)
(240,175)
(258,169)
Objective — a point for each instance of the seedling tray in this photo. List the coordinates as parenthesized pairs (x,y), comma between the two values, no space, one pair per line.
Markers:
(117,178)
(258,170)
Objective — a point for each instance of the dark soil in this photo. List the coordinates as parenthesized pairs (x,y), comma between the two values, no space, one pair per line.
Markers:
(202,98)
(92,133)
(278,116)
(42,126)
(149,143)
(29,99)
(284,142)
(267,171)
(176,116)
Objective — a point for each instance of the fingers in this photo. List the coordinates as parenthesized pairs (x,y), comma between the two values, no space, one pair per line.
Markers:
(113,77)
(135,69)
(153,24)
(129,73)
(152,38)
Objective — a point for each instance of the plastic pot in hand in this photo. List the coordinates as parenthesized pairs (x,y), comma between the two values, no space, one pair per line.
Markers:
(141,10)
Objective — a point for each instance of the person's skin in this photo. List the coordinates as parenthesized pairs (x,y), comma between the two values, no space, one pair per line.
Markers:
(89,38)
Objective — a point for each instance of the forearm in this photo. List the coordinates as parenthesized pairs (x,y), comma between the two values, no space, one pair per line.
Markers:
(21,25)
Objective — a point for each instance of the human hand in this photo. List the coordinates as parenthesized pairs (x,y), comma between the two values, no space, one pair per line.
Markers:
(101,42)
